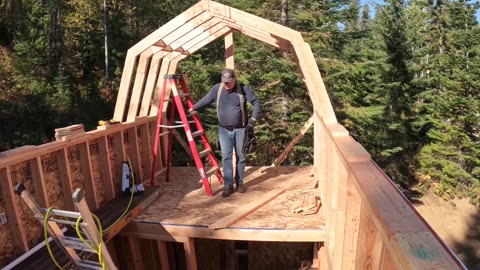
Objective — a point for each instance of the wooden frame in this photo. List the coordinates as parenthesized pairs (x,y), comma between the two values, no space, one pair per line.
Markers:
(369,223)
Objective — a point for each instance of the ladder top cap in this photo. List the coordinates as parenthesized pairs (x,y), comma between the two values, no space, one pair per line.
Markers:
(78,195)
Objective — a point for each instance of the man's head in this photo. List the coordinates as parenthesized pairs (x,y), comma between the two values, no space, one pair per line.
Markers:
(228,78)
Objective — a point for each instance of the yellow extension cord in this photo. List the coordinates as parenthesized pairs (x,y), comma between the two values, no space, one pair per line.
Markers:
(79,233)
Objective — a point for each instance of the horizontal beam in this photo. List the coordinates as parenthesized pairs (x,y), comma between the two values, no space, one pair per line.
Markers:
(177,232)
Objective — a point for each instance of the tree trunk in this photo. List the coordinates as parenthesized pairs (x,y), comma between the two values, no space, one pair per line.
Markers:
(284,16)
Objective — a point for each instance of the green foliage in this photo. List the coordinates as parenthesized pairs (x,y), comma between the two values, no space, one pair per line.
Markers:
(405,83)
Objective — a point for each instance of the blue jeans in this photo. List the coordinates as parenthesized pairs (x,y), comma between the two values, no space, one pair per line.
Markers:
(229,140)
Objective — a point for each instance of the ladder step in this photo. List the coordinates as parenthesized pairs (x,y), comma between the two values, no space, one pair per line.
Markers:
(205,152)
(163,133)
(211,171)
(77,244)
(198,133)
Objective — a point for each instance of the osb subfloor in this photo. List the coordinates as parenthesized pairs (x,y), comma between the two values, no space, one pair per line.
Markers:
(184,203)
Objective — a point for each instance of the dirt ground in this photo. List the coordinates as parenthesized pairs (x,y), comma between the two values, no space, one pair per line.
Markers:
(457,222)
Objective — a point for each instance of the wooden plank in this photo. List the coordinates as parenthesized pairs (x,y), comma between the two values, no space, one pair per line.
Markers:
(369,244)
(229,51)
(327,201)
(158,88)
(295,140)
(351,151)
(133,154)
(124,89)
(261,35)
(13,210)
(143,45)
(386,262)
(333,200)
(420,250)
(119,158)
(151,81)
(313,80)
(186,27)
(135,257)
(320,157)
(340,228)
(162,253)
(66,178)
(105,168)
(206,41)
(244,18)
(51,147)
(146,152)
(189,246)
(392,213)
(91,231)
(172,232)
(41,193)
(204,35)
(201,28)
(170,27)
(337,130)
(88,181)
(245,210)
(139,84)
(354,204)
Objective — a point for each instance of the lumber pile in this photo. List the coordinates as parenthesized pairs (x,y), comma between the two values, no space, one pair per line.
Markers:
(61,134)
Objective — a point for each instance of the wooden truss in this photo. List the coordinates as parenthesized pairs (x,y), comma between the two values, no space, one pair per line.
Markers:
(159,53)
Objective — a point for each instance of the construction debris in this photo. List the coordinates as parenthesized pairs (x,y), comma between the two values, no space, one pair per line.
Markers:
(308,204)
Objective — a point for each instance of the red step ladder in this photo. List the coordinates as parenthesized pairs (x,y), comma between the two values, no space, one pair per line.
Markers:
(175,80)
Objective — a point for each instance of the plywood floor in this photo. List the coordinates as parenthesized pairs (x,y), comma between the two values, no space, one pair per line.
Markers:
(183,201)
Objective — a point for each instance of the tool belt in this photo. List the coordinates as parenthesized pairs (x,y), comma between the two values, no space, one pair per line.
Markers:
(231,128)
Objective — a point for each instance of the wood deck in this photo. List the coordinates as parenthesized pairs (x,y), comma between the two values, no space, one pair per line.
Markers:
(184,210)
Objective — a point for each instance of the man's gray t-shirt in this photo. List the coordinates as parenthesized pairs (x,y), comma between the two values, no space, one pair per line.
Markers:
(229,110)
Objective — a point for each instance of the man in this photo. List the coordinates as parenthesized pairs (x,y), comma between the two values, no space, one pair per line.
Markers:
(230,96)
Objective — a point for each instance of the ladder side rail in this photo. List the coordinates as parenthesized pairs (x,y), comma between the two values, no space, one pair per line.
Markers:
(170,140)
(91,229)
(52,228)
(190,139)
(189,102)
(157,131)
(199,126)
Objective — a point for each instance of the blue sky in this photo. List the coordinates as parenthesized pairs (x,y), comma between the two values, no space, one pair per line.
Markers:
(381,1)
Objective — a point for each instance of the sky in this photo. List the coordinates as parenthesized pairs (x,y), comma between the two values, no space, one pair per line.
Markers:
(371,2)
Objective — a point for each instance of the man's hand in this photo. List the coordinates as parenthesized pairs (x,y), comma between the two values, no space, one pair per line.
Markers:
(250,126)
(192,112)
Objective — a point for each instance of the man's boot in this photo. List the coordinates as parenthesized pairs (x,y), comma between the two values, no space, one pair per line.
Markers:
(227,191)
(241,188)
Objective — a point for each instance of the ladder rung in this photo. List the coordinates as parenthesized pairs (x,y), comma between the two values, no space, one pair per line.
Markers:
(77,244)
(61,221)
(205,152)
(173,76)
(197,133)
(62,213)
(211,171)
(164,133)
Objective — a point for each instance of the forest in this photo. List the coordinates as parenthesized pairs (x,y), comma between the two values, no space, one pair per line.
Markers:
(403,77)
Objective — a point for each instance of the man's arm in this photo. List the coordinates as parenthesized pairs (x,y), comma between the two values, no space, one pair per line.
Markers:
(207,99)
